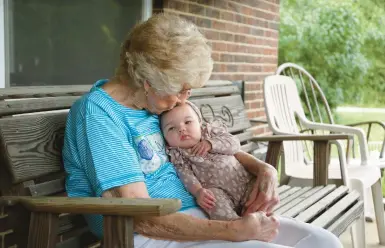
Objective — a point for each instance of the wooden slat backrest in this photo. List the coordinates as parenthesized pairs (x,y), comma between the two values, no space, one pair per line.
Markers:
(229,109)
(31,144)
(20,100)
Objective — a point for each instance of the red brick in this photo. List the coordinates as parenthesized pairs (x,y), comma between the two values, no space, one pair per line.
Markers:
(196,9)
(241,48)
(251,115)
(219,25)
(246,10)
(260,113)
(213,13)
(240,38)
(215,77)
(245,59)
(228,16)
(239,18)
(253,86)
(250,77)
(230,27)
(271,43)
(220,68)
(215,56)
(271,60)
(205,2)
(221,77)
(244,29)
(232,48)
(234,7)
(227,58)
(251,40)
(226,36)
(267,68)
(203,22)
(250,96)
(231,68)
(259,131)
(211,35)
(270,51)
(219,46)
(273,25)
(250,68)
(256,31)
(190,18)
(220,4)
(259,41)
(253,105)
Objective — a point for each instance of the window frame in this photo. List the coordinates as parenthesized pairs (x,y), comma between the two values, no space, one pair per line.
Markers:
(6,44)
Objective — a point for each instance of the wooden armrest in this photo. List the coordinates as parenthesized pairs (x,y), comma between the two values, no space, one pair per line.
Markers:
(290,137)
(94,205)
(321,151)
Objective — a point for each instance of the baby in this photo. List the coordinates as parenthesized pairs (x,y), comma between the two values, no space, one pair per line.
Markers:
(203,155)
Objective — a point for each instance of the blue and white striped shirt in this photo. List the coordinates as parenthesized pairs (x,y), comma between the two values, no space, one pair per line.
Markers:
(107,145)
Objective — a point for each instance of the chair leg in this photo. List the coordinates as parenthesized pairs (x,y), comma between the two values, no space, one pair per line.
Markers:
(379,211)
(357,232)
(43,228)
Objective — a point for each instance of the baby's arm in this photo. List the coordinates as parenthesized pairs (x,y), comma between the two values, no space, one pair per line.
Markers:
(205,198)
(187,176)
(221,140)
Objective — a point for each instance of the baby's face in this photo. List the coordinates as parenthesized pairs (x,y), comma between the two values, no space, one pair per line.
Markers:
(181,127)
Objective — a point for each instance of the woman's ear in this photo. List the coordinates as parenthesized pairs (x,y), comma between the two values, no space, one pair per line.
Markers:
(147,86)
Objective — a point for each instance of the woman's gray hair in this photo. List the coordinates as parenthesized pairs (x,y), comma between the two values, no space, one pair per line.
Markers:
(167,51)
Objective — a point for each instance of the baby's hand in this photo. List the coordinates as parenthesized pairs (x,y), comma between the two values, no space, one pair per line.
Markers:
(202,148)
(205,199)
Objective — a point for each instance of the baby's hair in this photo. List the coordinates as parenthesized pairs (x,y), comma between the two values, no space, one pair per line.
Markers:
(192,106)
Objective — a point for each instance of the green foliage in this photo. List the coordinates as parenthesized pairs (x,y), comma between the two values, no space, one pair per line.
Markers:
(341,43)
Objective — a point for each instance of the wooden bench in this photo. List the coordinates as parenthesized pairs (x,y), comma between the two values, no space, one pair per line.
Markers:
(34,211)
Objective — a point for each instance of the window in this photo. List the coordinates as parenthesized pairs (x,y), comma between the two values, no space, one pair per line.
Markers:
(53,42)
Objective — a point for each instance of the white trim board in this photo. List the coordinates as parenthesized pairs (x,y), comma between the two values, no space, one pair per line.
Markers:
(2,44)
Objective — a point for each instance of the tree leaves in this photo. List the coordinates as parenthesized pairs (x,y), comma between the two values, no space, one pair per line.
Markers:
(341,43)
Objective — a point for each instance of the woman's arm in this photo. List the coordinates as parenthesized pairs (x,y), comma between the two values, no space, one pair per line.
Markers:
(252,164)
(182,227)
(264,196)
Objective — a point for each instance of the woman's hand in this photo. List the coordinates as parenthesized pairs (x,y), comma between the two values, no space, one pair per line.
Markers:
(205,199)
(257,226)
(202,148)
(264,196)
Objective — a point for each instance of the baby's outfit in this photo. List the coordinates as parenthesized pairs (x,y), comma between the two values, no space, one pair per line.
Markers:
(219,171)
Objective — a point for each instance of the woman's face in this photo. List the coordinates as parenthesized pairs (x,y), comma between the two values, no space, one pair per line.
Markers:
(157,103)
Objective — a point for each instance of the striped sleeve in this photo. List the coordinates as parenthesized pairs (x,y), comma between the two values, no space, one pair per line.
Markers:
(110,159)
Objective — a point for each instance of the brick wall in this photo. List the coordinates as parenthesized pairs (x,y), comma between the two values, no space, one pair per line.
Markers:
(244,37)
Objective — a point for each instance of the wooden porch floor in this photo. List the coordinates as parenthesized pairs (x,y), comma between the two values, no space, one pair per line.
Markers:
(371,237)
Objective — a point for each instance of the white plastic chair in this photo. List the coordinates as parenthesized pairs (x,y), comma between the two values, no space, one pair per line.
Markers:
(319,111)
(283,109)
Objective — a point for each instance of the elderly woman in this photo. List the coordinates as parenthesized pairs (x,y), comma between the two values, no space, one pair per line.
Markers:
(114,147)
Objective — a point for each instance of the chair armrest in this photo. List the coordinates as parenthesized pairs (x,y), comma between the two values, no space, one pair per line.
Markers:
(94,205)
(380,123)
(364,151)
(370,123)
(277,138)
